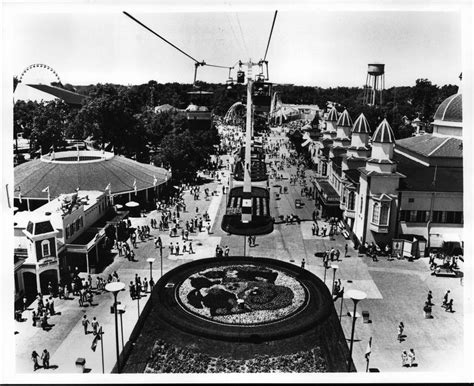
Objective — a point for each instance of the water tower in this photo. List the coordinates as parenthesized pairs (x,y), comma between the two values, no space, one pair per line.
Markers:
(374,84)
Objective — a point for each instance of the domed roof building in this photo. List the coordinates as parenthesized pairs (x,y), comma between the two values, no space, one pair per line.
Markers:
(65,172)
(432,194)
(448,117)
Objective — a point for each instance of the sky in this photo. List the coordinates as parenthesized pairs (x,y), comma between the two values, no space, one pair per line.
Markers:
(312,47)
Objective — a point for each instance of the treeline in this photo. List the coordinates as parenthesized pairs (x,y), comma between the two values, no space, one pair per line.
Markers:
(123,117)
(420,100)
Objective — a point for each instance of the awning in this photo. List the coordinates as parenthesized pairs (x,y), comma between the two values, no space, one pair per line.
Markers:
(327,192)
(452,237)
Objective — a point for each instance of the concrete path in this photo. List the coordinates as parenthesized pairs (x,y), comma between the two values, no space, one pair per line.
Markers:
(396,291)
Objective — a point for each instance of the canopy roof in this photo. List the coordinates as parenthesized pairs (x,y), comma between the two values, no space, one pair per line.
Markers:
(92,172)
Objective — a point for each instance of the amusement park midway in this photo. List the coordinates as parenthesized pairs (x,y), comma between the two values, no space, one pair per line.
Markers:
(396,289)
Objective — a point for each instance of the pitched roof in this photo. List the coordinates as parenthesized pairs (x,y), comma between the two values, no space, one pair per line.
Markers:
(344,119)
(361,125)
(333,115)
(450,109)
(430,145)
(352,175)
(383,133)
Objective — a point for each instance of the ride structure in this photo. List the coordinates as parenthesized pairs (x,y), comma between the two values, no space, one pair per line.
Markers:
(248,206)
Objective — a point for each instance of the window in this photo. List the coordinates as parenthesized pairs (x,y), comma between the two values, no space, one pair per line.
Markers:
(361,204)
(325,168)
(411,200)
(67,232)
(412,216)
(384,212)
(437,215)
(78,224)
(45,248)
(351,201)
(81,221)
(376,213)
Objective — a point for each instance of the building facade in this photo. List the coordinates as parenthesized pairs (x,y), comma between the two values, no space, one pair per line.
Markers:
(385,189)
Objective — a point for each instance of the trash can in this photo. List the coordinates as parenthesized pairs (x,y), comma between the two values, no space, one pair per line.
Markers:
(80,365)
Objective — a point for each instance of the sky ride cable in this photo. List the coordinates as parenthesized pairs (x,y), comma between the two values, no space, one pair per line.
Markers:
(270,37)
(200,63)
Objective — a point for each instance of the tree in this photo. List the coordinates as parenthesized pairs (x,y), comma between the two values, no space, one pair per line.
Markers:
(48,126)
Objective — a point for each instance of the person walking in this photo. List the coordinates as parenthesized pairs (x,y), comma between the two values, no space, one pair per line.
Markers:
(191,247)
(303,263)
(131,288)
(85,324)
(51,306)
(95,325)
(34,358)
(45,359)
(411,358)
(345,250)
(446,298)
(449,305)
(401,328)
(405,359)
(429,297)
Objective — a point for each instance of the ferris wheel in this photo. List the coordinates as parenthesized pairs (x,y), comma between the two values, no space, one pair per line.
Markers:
(31,67)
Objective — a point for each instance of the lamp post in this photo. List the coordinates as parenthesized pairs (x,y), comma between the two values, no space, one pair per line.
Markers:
(356,296)
(334,267)
(325,269)
(115,288)
(138,300)
(151,260)
(121,311)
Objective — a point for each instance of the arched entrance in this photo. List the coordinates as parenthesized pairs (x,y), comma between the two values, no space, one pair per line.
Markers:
(29,281)
(51,275)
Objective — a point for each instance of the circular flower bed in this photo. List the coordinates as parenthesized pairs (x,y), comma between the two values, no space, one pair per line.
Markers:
(242,294)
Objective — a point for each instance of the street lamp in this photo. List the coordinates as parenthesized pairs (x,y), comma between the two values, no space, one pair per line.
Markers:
(334,267)
(326,266)
(151,260)
(115,288)
(356,296)
(121,311)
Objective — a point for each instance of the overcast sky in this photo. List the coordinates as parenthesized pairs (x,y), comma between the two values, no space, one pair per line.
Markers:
(309,46)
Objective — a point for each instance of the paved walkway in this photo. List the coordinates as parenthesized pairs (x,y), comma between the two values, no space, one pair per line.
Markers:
(396,291)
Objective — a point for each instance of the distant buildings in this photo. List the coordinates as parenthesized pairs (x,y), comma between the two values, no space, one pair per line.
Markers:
(383,189)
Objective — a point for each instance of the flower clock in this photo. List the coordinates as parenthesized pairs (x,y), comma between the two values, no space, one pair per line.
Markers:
(242,294)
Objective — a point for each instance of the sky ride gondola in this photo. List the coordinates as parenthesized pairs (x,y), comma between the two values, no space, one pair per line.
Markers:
(198,113)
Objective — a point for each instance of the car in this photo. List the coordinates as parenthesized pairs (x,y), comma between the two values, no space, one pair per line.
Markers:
(298,203)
